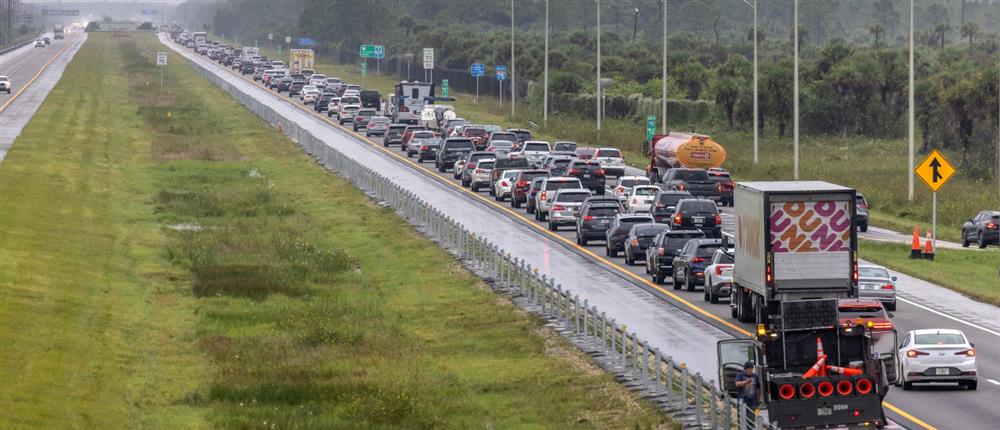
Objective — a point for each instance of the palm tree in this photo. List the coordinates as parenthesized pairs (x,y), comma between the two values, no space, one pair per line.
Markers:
(877,30)
(940,29)
(970,30)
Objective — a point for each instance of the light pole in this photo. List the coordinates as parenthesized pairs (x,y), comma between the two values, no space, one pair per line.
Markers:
(513,88)
(795,104)
(909,114)
(605,84)
(545,79)
(409,59)
(598,98)
(635,24)
(756,130)
(663,78)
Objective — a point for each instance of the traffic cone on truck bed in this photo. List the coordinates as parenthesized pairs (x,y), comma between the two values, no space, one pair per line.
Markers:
(815,369)
(915,248)
(929,248)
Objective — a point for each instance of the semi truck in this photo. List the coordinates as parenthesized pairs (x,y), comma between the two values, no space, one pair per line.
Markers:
(300,59)
(678,149)
(249,53)
(58,32)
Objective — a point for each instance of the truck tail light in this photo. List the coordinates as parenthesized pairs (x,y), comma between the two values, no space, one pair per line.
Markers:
(915,353)
(968,353)
(854,272)
(769,273)
(807,390)
(661,252)
(845,387)
(863,386)
(678,219)
(786,391)
(825,389)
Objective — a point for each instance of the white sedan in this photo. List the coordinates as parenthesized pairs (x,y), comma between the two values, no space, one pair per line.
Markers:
(641,198)
(623,186)
(937,355)
(307,88)
(503,186)
(310,96)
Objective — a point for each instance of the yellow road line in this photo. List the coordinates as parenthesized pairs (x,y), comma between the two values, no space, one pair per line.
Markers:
(25,86)
(554,235)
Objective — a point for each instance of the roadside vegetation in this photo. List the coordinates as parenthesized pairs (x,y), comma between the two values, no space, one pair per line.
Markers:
(172,262)
(973,273)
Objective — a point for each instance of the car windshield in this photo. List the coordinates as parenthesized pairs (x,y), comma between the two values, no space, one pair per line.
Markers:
(485,165)
(873,272)
(633,182)
(649,230)
(671,199)
(609,153)
(626,222)
(536,146)
(572,197)
(525,176)
(563,162)
(691,175)
(555,185)
(939,339)
(725,259)
(459,144)
(475,132)
(603,211)
(380,120)
(502,144)
(522,134)
(675,241)
(508,174)
(706,251)
(698,207)
(423,135)
(504,136)
(492,128)
(565,146)
(351,109)
(644,191)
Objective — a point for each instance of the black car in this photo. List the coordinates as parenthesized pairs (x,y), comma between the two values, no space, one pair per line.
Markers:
(666,246)
(595,219)
(690,264)
(984,229)
(618,230)
(664,204)
(861,212)
(323,102)
(428,149)
(533,189)
(522,183)
(247,68)
(394,136)
(284,84)
(452,149)
(640,236)
(506,164)
(724,181)
(694,181)
(589,173)
(696,213)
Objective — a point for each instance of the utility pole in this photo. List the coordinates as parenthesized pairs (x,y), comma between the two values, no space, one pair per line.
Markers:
(756,115)
(545,80)
(663,78)
(598,97)
(909,115)
(795,125)
(513,87)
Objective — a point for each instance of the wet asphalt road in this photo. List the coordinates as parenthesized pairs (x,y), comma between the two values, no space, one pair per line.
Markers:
(939,407)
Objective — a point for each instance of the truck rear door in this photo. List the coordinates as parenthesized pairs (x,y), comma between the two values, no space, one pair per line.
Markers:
(732,353)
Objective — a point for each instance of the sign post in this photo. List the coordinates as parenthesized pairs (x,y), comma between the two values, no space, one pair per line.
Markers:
(444,88)
(477,70)
(650,128)
(270,37)
(364,70)
(161,61)
(429,62)
(501,76)
(935,170)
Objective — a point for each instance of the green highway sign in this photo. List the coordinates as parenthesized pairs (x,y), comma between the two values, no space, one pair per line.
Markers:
(444,88)
(372,51)
(650,127)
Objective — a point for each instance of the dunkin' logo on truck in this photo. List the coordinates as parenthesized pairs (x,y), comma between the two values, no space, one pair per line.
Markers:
(823,226)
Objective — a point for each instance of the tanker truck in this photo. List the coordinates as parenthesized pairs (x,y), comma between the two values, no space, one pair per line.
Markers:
(677,149)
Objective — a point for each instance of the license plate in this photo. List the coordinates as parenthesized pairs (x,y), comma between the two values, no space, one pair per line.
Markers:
(943,371)
(586,176)
(698,219)
(604,221)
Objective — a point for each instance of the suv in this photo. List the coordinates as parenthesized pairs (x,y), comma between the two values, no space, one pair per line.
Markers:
(564,147)
(689,265)
(667,245)
(595,219)
(557,165)
(535,151)
(506,164)
(408,133)
(284,84)
(480,174)
(451,150)
(985,228)
(533,189)
(719,275)
(546,192)
(295,89)
(724,181)
(522,134)
(478,135)
(694,181)
(862,212)
(565,206)
(5,84)
(464,171)
(618,231)
(701,214)
(418,139)
(664,204)
(624,184)
(503,135)
(362,118)
(640,236)
(501,188)
(428,148)
(347,113)
(519,190)
(612,160)
(394,135)
(590,174)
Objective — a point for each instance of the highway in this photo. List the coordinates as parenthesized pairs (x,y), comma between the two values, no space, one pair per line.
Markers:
(934,407)
(33,71)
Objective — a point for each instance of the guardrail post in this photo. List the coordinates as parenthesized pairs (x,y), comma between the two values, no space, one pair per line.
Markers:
(714,395)
(643,367)
(576,314)
(727,415)
(657,360)
(670,376)
(698,390)
(549,292)
(604,332)
(583,316)
(624,350)
(559,304)
(684,384)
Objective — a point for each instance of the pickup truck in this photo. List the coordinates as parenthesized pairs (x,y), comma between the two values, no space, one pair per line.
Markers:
(694,181)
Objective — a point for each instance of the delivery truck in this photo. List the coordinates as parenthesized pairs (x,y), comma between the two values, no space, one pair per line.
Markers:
(300,59)
(677,149)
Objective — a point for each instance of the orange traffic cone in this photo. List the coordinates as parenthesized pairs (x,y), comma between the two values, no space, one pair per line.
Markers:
(915,248)
(819,347)
(846,371)
(814,370)
(928,248)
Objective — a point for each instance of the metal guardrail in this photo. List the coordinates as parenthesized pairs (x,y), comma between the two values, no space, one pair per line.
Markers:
(691,399)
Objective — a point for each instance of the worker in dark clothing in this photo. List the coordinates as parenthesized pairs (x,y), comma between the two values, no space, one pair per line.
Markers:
(747,383)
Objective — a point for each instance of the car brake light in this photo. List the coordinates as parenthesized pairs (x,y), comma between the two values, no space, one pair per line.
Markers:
(888,287)
(503,183)
(678,219)
(541,196)
(661,252)
(968,353)
(469,166)
(681,186)
(718,219)
(619,189)
(600,172)
(588,218)
(697,260)
(914,353)
(991,226)
(635,242)
(572,172)
(718,270)
(558,208)
(522,183)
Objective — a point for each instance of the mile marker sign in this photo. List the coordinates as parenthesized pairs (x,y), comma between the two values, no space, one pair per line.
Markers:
(935,170)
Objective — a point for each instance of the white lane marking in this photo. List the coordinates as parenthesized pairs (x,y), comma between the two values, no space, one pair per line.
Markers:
(935,311)
(993,381)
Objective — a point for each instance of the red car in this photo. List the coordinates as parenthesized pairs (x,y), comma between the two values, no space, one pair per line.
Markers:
(478,134)
(863,311)
(408,133)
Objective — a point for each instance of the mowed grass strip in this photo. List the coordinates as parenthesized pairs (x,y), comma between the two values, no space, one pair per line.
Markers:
(169,261)
(973,273)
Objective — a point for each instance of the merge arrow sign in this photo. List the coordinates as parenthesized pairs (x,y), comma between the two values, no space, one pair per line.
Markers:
(935,170)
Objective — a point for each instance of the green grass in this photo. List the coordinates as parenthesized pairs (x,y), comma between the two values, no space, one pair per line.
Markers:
(172,262)
(976,274)
(876,167)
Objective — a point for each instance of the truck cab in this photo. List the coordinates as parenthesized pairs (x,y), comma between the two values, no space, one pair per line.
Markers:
(814,371)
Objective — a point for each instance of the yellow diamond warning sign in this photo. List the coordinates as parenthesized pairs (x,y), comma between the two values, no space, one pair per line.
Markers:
(935,170)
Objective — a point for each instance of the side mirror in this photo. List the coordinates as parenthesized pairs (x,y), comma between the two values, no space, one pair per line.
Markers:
(968,220)
(894,279)
(972,344)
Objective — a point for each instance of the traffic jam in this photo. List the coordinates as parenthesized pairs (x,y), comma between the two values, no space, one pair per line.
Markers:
(778,259)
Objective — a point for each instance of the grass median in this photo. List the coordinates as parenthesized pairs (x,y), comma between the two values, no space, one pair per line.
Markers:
(169,261)
(973,273)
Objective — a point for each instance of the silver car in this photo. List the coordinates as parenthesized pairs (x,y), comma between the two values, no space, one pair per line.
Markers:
(535,151)
(547,191)
(875,282)
(565,206)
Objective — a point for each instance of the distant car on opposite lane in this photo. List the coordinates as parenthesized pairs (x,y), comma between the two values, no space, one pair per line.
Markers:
(984,229)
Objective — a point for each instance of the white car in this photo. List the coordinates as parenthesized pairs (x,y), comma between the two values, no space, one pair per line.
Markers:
(611,160)
(481,174)
(305,89)
(937,355)
(413,146)
(318,80)
(310,96)
(623,187)
(39,43)
(503,186)
(347,113)
(641,198)
(535,151)
(719,276)
(333,107)
(5,84)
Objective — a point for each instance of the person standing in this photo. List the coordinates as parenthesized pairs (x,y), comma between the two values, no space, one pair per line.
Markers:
(747,383)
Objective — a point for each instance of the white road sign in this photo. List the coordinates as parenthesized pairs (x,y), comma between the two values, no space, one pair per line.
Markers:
(161,58)
(288,39)
(270,36)
(428,64)
(428,58)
